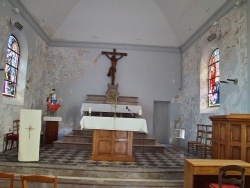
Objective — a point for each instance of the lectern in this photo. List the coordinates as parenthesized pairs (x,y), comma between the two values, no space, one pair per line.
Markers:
(29,135)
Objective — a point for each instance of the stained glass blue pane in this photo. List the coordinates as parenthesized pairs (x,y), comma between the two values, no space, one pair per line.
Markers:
(10,73)
(9,88)
(12,44)
(214,79)
(217,52)
(12,60)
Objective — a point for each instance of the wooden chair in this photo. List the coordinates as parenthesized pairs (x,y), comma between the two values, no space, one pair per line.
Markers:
(192,145)
(38,179)
(231,176)
(14,135)
(8,176)
(205,147)
(208,144)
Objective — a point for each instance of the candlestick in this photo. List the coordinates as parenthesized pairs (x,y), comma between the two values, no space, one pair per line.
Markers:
(140,112)
(89,110)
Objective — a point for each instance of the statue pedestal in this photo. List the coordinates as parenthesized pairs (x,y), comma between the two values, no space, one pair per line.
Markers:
(51,129)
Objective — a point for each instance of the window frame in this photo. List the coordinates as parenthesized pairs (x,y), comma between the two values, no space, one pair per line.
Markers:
(216,79)
(17,54)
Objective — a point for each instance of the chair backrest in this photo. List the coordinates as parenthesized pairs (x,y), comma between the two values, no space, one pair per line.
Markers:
(208,135)
(200,132)
(229,175)
(38,178)
(8,176)
(16,124)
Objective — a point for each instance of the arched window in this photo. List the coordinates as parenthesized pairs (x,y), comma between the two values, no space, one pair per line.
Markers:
(214,79)
(11,67)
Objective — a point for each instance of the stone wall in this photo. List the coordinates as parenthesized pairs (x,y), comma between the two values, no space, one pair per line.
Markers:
(232,34)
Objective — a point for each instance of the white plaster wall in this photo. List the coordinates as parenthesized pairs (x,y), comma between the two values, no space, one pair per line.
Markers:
(233,64)
(37,53)
(76,72)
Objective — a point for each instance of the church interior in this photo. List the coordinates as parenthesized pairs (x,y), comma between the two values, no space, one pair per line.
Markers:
(114,93)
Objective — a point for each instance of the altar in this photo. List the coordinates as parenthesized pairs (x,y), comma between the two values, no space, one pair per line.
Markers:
(113,136)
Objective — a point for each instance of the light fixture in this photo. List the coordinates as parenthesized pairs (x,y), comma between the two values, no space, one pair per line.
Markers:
(224,82)
(233,80)
(16,10)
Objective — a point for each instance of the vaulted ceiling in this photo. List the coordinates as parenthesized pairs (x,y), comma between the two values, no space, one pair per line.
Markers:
(163,23)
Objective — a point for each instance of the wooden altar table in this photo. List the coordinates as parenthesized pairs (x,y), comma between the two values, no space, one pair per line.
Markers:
(113,137)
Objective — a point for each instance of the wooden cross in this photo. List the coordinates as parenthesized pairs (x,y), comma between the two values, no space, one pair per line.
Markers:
(113,59)
(29,129)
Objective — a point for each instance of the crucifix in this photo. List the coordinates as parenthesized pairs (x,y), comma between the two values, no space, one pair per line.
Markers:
(113,59)
(29,129)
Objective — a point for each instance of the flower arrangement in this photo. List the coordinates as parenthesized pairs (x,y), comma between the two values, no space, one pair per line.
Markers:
(53,107)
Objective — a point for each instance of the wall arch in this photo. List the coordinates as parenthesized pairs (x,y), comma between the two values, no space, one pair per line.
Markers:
(208,50)
(21,79)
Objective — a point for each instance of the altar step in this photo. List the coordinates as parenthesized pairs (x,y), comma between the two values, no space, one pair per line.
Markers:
(101,99)
(94,177)
(83,139)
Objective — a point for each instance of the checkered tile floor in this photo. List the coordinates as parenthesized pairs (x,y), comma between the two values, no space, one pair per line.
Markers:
(172,158)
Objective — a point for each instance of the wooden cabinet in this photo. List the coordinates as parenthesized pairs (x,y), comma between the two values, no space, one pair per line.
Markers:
(111,145)
(51,132)
(231,137)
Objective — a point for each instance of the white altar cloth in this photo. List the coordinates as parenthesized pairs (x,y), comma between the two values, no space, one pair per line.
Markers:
(118,108)
(51,118)
(114,123)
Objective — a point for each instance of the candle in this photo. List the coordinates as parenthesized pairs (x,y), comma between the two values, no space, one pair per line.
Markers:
(90,110)
(140,112)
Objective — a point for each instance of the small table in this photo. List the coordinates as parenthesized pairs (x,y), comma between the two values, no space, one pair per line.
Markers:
(200,172)
(51,129)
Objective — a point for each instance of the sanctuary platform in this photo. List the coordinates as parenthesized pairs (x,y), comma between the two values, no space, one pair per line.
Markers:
(75,170)
(83,140)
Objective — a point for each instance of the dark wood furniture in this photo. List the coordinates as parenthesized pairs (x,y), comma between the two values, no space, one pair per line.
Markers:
(51,131)
(111,145)
(192,145)
(226,180)
(231,137)
(200,172)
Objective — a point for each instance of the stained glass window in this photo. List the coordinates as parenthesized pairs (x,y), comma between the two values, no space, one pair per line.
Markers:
(214,79)
(11,67)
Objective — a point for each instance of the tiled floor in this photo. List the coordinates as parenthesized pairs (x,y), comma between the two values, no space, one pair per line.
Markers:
(173,158)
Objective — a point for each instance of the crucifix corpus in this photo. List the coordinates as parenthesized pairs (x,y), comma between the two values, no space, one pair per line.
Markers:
(113,58)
